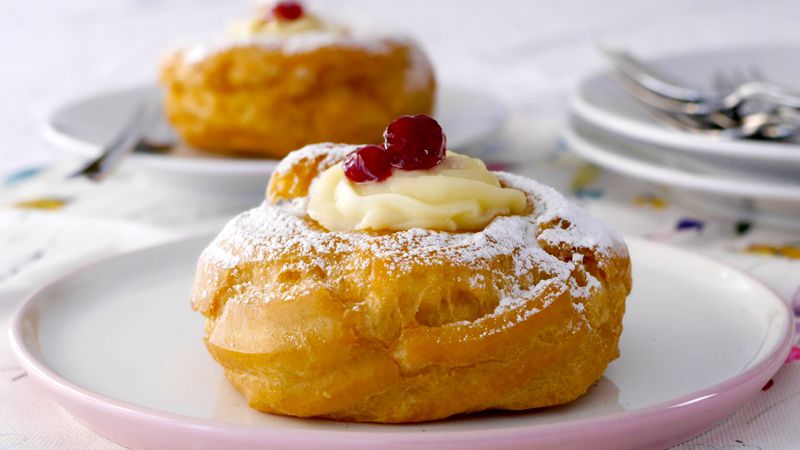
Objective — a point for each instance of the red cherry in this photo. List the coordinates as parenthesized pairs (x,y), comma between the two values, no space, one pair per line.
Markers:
(415,142)
(367,164)
(287,10)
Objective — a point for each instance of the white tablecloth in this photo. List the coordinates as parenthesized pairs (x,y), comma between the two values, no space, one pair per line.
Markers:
(528,54)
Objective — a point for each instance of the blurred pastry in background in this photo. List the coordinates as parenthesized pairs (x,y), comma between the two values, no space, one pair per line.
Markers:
(286,78)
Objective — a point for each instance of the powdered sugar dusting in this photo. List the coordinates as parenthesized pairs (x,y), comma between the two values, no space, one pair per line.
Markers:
(268,231)
(326,153)
(360,38)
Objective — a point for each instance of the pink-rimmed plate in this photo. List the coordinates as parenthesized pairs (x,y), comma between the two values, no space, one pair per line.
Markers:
(117,345)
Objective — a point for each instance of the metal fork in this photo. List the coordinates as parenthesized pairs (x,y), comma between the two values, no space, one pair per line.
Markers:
(112,153)
(672,96)
(756,125)
(738,97)
(785,120)
(145,130)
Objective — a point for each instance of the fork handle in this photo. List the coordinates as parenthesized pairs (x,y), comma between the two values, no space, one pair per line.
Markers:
(650,78)
(111,155)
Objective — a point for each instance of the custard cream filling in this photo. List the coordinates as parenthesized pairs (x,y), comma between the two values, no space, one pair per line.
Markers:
(460,194)
(251,28)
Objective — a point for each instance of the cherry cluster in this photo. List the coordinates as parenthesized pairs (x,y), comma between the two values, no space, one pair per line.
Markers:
(410,143)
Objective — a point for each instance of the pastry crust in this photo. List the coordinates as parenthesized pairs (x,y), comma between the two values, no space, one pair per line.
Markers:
(413,325)
(264,101)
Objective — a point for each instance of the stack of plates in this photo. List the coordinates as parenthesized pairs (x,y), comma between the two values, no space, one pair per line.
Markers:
(744,179)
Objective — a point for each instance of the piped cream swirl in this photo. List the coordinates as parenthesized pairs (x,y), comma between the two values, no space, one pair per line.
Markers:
(258,27)
(460,194)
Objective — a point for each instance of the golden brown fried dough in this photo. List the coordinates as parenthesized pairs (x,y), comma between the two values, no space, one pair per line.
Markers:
(412,325)
(261,101)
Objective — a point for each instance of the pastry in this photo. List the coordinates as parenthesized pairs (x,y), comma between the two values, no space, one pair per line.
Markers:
(404,283)
(287,78)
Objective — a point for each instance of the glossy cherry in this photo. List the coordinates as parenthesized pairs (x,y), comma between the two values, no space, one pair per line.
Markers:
(367,164)
(287,10)
(415,142)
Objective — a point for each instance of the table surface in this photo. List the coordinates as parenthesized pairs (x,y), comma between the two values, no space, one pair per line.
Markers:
(529,54)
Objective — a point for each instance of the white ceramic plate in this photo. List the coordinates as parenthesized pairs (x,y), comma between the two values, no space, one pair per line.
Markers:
(728,195)
(82,126)
(602,102)
(118,345)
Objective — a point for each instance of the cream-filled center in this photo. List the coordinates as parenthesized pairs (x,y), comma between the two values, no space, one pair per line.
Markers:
(251,28)
(460,194)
